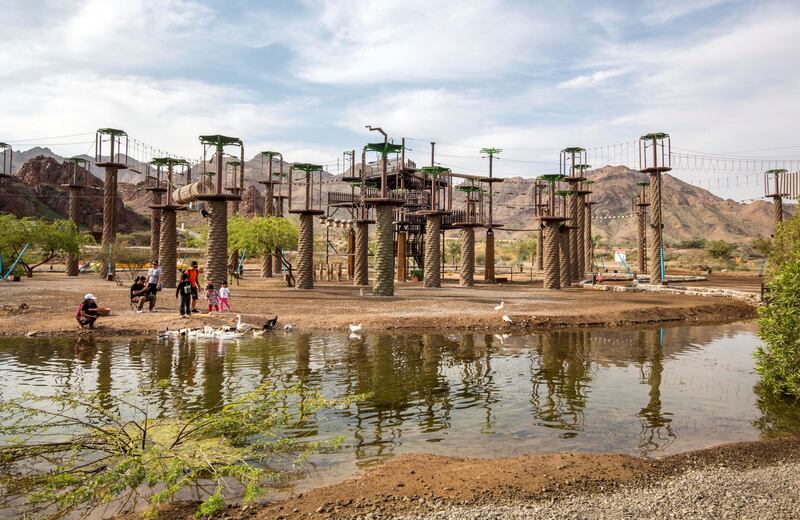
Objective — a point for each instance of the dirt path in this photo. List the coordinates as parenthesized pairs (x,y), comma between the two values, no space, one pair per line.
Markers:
(50,301)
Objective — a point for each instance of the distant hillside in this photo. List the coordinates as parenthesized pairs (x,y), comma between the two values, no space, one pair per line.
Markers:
(36,191)
(689,211)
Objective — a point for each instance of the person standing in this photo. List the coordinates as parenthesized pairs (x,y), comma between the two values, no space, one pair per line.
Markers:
(153,283)
(184,293)
(194,279)
(213,298)
(224,297)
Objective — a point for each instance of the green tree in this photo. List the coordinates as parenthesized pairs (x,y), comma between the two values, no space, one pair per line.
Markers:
(75,451)
(778,359)
(720,250)
(523,249)
(47,240)
(263,236)
(453,248)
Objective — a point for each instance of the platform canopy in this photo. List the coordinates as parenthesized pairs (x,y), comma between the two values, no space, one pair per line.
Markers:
(220,140)
(384,148)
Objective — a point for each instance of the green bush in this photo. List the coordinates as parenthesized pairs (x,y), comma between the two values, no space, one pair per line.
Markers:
(693,243)
(778,361)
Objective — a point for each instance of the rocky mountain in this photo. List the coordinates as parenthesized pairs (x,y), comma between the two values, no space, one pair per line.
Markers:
(36,190)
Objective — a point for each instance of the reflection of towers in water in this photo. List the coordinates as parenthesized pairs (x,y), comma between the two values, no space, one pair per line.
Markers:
(560,381)
(213,375)
(104,374)
(656,431)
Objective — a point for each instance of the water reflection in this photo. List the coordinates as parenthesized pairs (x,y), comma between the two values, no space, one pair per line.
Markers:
(635,391)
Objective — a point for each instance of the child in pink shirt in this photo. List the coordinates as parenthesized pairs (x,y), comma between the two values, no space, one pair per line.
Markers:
(213,297)
(224,297)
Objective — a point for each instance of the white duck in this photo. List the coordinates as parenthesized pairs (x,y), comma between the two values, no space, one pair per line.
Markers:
(289,327)
(500,307)
(355,329)
(243,327)
(507,319)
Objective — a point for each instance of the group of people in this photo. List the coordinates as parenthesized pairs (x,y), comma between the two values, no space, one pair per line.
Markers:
(145,289)
(187,292)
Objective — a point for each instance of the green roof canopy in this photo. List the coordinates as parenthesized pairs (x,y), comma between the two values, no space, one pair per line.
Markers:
(271,154)
(643,183)
(551,177)
(468,189)
(384,148)
(168,161)
(307,167)
(434,171)
(564,193)
(776,171)
(5,145)
(573,149)
(655,136)
(220,140)
(76,159)
(582,167)
(233,163)
(111,131)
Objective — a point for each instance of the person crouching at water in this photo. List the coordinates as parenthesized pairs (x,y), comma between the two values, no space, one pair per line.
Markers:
(213,298)
(153,284)
(88,312)
(184,292)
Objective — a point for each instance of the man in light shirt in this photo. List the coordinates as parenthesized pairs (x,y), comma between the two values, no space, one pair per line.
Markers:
(153,283)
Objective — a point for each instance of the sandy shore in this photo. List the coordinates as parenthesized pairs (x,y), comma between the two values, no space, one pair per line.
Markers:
(430,486)
(46,304)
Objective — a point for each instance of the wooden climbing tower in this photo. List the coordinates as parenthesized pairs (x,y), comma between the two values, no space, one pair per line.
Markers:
(169,168)
(306,212)
(655,160)
(114,142)
(79,181)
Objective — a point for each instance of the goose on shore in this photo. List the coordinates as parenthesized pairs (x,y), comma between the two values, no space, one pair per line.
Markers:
(243,327)
(355,329)
(500,307)
(507,319)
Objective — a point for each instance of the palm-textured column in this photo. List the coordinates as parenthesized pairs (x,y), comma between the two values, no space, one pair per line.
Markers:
(74,216)
(109,216)
(657,244)
(402,258)
(467,268)
(361,257)
(540,247)
(155,224)
(384,253)
(351,254)
(580,252)
(588,245)
(217,246)
(432,274)
(168,247)
(565,263)
(573,237)
(305,252)
(551,254)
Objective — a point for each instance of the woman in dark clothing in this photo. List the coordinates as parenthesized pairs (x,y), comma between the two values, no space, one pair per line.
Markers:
(87,312)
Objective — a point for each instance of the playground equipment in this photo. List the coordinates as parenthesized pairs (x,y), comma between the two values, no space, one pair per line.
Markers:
(572,163)
(640,208)
(779,183)
(384,203)
(551,223)
(654,159)
(306,211)
(269,183)
(215,188)
(432,273)
(168,235)
(466,221)
(76,184)
(588,243)
(155,185)
(539,209)
(117,159)
(488,273)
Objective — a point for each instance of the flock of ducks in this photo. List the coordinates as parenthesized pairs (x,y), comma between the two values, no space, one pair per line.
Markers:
(226,331)
(241,329)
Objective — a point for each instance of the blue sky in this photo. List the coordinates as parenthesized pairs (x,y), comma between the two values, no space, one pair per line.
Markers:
(305,77)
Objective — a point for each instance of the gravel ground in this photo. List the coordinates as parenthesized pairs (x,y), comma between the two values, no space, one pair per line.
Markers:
(771,492)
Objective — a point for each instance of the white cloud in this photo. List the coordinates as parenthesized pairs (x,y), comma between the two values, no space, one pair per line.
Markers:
(659,12)
(354,42)
(591,80)
(170,114)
